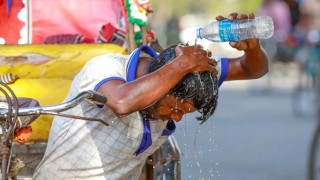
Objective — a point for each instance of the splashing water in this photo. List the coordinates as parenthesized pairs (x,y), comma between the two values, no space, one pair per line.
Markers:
(215,91)
(195,145)
(198,160)
(185,144)
(200,80)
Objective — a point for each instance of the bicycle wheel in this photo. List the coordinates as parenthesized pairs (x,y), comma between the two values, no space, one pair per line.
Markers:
(314,155)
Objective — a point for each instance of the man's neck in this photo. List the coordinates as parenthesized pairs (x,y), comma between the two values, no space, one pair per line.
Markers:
(142,68)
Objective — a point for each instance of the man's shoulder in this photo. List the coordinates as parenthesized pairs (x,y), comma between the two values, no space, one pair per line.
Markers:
(106,60)
(110,57)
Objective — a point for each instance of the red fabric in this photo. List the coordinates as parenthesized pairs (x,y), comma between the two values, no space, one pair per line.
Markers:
(68,39)
(107,31)
(10,25)
(107,34)
(151,35)
(23,134)
(110,34)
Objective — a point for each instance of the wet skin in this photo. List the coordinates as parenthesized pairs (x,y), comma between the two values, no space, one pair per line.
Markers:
(169,107)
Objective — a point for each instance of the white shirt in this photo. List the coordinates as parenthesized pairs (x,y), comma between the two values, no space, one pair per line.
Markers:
(80,149)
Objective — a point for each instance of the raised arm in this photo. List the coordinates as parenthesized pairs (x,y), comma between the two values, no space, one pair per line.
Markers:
(254,63)
(125,98)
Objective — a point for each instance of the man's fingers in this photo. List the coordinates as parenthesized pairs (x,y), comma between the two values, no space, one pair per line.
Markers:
(251,16)
(219,18)
(212,62)
(232,16)
(233,44)
(214,71)
(178,50)
(242,16)
(209,53)
(235,15)
(239,45)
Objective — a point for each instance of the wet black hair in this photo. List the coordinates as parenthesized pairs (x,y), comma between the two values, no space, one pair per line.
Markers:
(200,88)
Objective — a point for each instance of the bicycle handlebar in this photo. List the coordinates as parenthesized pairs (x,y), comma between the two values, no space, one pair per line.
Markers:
(55,109)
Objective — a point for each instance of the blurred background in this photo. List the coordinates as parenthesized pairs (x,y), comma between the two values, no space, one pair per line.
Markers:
(262,128)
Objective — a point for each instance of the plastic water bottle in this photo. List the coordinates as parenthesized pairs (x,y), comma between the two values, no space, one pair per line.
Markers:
(236,30)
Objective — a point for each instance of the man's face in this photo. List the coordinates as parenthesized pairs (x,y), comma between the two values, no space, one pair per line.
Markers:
(169,107)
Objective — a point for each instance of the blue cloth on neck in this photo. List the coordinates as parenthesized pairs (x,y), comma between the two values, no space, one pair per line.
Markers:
(134,59)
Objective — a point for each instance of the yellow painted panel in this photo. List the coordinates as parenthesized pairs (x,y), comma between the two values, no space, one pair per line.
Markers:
(46,72)
(50,61)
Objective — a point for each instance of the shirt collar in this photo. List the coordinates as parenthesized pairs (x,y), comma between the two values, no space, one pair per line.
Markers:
(134,59)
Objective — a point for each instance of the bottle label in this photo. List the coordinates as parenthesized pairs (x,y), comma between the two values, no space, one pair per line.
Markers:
(225,32)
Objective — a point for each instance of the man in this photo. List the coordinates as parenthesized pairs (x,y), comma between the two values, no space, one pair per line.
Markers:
(146,94)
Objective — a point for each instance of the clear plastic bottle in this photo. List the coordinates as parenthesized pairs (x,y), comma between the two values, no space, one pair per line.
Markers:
(236,30)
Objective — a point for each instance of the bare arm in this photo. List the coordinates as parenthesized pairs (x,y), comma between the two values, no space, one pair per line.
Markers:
(254,63)
(125,98)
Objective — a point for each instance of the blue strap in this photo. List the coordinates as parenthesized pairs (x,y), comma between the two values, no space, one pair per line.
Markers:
(171,127)
(9,2)
(134,59)
(104,81)
(146,138)
(224,70)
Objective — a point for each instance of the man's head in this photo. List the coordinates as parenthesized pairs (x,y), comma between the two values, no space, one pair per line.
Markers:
(194,92)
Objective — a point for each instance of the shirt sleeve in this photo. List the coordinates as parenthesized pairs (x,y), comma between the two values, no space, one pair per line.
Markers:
(223,68)
(99,70)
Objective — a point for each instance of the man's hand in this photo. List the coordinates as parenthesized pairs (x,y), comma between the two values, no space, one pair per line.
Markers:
(196,59)
(254,64)
(245,45)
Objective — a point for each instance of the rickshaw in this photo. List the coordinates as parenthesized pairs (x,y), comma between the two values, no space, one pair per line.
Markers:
(45,45)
